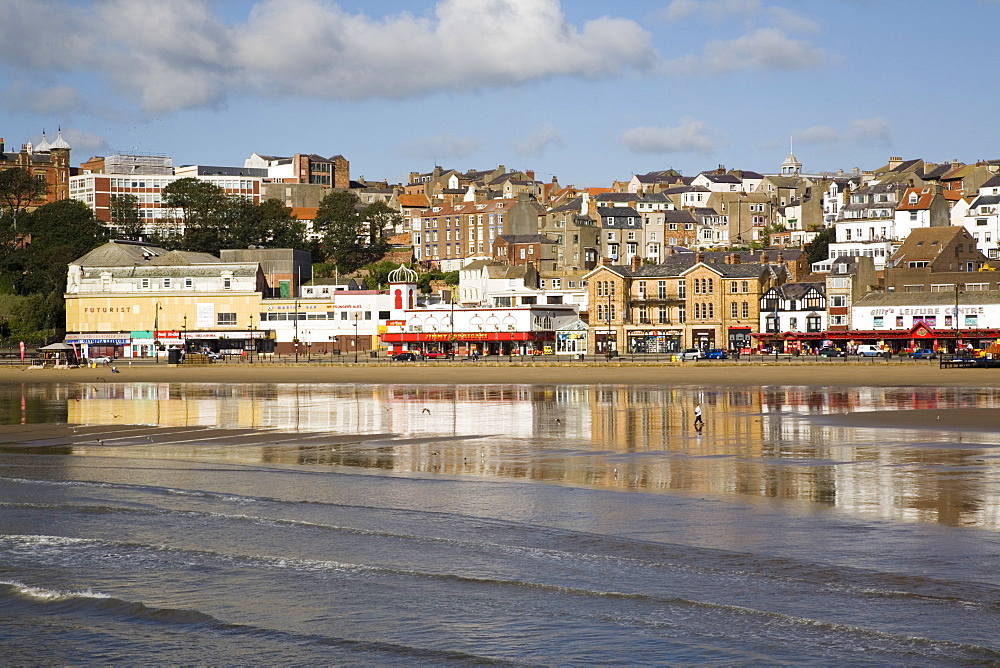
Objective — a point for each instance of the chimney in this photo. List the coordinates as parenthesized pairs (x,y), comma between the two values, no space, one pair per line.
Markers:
(895,162)
(735,258)
(636,262)
(763,257)
(1,145)
(781,258)
(530,174)
(605,262)
(584,203)
(699,258)
(554,179)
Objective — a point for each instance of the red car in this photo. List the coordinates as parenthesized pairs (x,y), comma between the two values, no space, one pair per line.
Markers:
(436,355)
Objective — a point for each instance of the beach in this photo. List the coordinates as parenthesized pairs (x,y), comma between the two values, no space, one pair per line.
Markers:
(826,373)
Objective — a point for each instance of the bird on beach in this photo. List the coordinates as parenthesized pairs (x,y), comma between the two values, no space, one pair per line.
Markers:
(426,410)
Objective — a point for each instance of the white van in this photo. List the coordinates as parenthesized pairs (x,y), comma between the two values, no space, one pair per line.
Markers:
(872,351)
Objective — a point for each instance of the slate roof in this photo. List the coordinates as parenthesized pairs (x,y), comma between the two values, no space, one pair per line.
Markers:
(927,298)
(800,290)
(526,239)
(720,178)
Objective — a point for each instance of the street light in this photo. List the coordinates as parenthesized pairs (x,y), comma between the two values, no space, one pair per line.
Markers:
(357,317)
(184,341)
(249,345)
(958,333)
(296,337)
(156,327)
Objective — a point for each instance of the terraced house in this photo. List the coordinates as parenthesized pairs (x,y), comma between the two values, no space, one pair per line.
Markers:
(689,300)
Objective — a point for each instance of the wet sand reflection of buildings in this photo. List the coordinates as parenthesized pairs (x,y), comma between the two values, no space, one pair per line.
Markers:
(767,441)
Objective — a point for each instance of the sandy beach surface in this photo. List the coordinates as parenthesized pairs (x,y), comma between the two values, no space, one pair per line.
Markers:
(851,374)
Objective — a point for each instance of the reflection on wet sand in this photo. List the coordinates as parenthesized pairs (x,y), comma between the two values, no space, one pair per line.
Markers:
(865,450)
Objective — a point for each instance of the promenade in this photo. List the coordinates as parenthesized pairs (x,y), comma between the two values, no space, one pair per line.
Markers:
(807,371)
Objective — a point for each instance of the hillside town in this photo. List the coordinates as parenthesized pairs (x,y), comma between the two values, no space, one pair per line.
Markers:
(894,258)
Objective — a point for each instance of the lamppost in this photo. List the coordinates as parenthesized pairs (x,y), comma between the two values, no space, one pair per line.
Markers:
(357,316)
(296,337)
(958,333)
(184,341)
(249,345)
(156,327)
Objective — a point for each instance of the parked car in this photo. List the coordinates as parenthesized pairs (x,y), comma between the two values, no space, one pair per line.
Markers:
(872,351)
(716,354)
(692,354)
(433,355)
(923,354)
(831,351)
(404,357)
(101,359)
(212,355)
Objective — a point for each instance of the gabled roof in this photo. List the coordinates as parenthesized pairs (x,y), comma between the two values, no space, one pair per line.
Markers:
(925,243)
(800,290)
(526,239)
(720,178)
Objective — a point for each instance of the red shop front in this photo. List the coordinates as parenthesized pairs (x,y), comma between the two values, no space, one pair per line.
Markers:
(461,344)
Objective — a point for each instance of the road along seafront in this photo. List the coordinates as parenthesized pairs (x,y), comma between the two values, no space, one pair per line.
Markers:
(793,372)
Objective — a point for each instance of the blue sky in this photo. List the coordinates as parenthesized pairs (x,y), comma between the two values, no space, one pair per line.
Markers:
(587,91)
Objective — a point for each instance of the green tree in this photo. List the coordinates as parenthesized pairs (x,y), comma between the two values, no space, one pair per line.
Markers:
(19,190)
(338,220)
(60,233)
(379,217)
(125,216)
(819,248)
(205,210)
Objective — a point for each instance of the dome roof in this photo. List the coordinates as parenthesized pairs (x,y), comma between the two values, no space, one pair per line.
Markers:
(402,275)
(59,142)
(42,146)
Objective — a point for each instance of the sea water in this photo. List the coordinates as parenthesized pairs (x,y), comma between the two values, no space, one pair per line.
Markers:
(526,524)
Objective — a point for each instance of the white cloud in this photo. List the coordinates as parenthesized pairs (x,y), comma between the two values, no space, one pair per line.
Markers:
(717,10)
(869,129)
(541,138)
(767,48)
(817,134)
(84,142)
(57,100)
(858,131)
(442,146)
(178,54)
(690,136)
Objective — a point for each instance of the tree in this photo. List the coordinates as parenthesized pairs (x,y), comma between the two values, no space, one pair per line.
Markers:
(203,207)
(337,219)
(19,190)
(60,233)
(379,217)
(125,216)
(819,248)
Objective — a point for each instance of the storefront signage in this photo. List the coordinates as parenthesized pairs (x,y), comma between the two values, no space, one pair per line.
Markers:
(90,341)
(107,309)
(396,323)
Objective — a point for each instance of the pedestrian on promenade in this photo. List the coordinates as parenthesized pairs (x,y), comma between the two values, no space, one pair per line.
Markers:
(698,422)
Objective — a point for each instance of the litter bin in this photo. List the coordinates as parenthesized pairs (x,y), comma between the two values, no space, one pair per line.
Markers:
(373,354)
(173,356)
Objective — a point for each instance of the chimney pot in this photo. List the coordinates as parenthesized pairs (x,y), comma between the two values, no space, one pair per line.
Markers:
(699,257)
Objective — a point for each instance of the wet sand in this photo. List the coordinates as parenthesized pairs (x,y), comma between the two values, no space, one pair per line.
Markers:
(854,374)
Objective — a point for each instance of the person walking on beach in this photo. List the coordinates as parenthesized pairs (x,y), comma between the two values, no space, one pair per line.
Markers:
(698,422)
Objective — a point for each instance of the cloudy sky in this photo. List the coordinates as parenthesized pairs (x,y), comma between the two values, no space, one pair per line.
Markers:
(586,90)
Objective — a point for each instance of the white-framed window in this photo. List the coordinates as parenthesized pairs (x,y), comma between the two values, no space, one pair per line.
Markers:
(144,283)
(167,283)
(225,319)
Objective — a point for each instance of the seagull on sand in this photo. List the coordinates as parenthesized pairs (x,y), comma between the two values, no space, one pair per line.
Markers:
(426,410)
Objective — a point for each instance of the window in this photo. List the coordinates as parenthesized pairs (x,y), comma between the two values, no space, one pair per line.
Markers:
(662,313)
(661,290)
(167,283)
(144,283)
(746,309)
(681,314)
(734,310)
(745,286)
(878,321)
(838,300)
(682,290)
(227,282)
(226,319)
(733,286)
(838,320)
